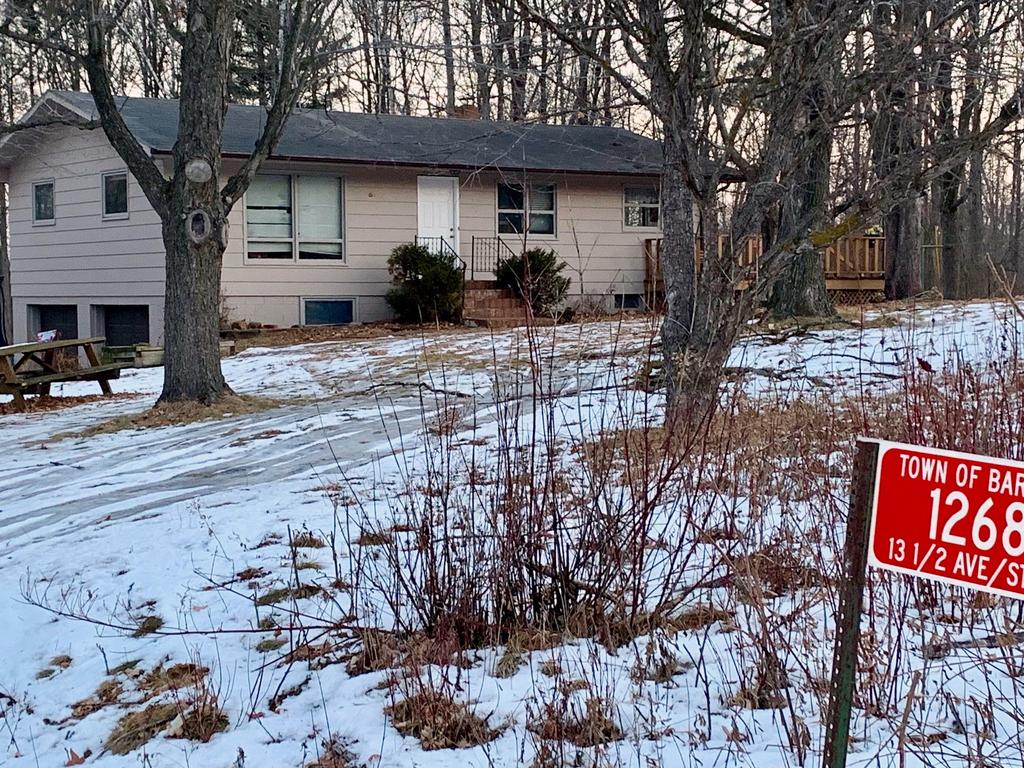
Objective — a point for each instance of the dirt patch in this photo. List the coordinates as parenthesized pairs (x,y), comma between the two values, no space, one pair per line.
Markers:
(46,403)
(173,414)
(285,337)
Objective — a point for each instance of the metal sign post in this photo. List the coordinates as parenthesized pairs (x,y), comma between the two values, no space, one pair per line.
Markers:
(855,561)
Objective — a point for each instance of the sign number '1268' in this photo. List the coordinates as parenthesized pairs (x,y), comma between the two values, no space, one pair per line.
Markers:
(950,516)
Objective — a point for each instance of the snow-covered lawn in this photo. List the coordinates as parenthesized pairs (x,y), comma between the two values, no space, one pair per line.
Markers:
(191,523)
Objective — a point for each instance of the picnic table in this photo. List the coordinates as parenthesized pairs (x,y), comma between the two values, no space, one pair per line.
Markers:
(30,369)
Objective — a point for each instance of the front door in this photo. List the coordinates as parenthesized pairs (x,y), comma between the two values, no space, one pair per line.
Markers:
(437,206)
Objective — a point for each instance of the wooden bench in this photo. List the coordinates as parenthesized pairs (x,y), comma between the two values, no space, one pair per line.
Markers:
(19,378)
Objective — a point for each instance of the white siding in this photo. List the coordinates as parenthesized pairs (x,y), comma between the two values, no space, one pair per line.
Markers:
(85,260)
(81,258)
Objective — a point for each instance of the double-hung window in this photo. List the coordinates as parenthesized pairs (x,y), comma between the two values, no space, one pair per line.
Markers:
(115,195)
(42,203)
(526,209)
(642,207)
(295,218)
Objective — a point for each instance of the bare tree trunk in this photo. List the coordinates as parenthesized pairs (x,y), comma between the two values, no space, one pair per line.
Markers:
(483,82)
(800,289)
(449,56)
(6,303)
(1015,257)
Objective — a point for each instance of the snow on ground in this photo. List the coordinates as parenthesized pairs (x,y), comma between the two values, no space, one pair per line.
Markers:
(144,522)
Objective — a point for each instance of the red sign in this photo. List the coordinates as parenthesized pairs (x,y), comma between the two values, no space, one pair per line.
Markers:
(954,517)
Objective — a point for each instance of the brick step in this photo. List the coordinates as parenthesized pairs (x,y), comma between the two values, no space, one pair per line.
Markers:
(489,293)
(495,312)
(502,323)
(471,304)
(473,285)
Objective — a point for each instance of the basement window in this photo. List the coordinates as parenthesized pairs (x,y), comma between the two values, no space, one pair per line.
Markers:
(328,311)
(42,202)
(629,301)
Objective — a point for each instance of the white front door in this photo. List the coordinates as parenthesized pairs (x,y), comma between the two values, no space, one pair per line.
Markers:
(437,209)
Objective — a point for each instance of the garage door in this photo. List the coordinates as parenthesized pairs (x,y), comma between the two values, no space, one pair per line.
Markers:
(126,325)
(62,318)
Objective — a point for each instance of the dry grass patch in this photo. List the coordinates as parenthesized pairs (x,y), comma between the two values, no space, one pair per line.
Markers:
(378,650)
(280,595)
(590,728)
(373,539)
(137,728)
(307,540)
(108,692)
(270,644)
(171,678)
(334,755)
(173,414)
(147,625)
(438,721)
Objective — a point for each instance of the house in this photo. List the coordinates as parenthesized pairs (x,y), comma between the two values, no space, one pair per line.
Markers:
(309,242)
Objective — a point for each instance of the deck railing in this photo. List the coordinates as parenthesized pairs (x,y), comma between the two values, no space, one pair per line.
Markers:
(857,256)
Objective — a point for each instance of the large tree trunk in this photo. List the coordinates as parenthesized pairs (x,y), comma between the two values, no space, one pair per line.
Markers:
(192,301)
(194,231)
(903,249)
(800,290)
(678,246)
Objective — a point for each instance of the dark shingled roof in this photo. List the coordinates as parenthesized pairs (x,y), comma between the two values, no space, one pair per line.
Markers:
(405,141)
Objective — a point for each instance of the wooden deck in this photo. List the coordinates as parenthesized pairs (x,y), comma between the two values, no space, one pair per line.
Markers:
(854,266)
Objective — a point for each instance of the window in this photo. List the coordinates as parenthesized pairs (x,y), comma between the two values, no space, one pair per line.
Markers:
(62,318)
(125,325)
(115,195)
(533,203)
(629,301)
(275,232)
(42,202)
(328,311)
(642,207)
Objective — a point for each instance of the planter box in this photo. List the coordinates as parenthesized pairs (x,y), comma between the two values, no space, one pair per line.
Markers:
(147,356)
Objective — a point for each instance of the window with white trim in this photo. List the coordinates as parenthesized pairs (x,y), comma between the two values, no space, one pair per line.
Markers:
(295,218)
(642,207)
(526,208)
(115,195)
(43,209)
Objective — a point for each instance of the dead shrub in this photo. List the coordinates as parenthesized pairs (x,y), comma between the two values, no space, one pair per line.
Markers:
(564,721)
(439,721)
